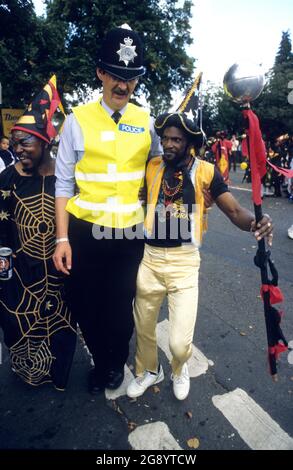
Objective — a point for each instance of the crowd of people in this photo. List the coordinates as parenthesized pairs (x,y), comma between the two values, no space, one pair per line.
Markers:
(88,250)
(226,153)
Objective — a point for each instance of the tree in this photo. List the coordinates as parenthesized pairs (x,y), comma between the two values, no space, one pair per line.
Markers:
(284,53)
(219,112)
(273,108)
(30,50)
(164,27)
(16,52)
(210,108)
(66,42)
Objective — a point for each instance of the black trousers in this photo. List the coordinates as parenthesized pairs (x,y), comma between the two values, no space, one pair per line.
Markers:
(100,292)
(232,160)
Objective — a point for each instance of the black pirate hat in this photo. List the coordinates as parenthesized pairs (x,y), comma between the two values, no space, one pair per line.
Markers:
(44,115)
(185,118)
(121,54)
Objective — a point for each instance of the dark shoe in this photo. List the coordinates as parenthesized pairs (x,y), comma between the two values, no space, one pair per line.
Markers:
(96,383)
(115,379)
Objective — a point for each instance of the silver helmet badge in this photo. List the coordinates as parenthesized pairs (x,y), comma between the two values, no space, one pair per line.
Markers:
(127,51)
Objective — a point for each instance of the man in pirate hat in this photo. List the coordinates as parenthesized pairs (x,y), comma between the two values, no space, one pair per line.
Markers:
(174,225)
(103,150)
(38,328)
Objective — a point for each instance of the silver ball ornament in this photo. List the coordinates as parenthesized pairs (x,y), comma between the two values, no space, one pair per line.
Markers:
(244,82)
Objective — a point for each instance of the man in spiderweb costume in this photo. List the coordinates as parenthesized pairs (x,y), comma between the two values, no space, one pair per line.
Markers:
(38,328)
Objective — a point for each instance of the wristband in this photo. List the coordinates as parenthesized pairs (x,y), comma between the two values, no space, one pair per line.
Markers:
(60,240)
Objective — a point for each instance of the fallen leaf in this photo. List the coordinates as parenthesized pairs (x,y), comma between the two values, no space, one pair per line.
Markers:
(188,414)
(193,443)
(242,333)
(131,425)
(116,407)
(156,389)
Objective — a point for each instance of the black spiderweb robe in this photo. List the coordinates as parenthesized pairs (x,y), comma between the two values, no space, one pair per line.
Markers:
(38,328)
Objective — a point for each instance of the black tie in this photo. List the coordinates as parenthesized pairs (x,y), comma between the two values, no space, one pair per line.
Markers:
(116,116)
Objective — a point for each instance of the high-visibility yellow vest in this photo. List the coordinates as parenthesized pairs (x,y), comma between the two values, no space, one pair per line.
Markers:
(202,174)
(112,169)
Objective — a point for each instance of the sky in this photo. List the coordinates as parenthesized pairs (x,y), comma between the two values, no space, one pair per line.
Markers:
(228,31)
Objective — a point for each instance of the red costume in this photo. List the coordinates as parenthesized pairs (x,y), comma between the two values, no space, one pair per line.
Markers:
(222,149)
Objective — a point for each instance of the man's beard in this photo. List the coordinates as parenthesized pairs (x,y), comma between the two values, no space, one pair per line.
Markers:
(29,171)
(34,170)
(174,162)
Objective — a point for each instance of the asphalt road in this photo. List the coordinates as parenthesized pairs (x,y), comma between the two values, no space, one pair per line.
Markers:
(230,333)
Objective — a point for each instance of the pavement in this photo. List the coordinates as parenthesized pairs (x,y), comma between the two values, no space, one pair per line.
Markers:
(233,403)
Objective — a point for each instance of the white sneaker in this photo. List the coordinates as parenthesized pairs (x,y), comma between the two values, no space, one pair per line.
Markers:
(138,386)
(290,232)
(181,383)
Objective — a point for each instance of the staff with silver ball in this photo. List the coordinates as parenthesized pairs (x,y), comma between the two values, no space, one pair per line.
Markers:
(243,83)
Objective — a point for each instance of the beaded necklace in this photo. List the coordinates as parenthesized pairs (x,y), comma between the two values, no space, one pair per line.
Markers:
(171,191)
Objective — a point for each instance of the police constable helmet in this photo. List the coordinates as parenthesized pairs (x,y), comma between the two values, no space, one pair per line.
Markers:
(121,54)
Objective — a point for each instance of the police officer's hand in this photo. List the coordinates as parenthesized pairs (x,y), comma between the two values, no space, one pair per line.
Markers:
(264,228)
(63,257)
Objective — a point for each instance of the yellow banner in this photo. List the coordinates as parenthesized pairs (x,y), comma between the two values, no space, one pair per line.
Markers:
(9,117)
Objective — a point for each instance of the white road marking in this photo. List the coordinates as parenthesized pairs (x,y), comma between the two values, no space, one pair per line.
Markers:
(240,189)
(198,364)
(254,425)
(153,436)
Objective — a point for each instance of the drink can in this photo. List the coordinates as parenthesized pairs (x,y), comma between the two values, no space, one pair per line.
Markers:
(5,263)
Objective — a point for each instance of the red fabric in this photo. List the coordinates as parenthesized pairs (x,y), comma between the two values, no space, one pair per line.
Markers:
(284,171)
(277,349)
(222,158)
(29,131)
(276,295)
(51,131)
(244,147)
(228,144)
(257,154)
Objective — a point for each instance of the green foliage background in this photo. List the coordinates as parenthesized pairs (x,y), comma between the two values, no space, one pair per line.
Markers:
(66,41)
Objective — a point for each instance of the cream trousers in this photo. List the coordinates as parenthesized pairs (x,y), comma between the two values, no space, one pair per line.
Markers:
(172,272)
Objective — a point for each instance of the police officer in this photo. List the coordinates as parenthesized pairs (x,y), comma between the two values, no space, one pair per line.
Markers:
(103,151)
